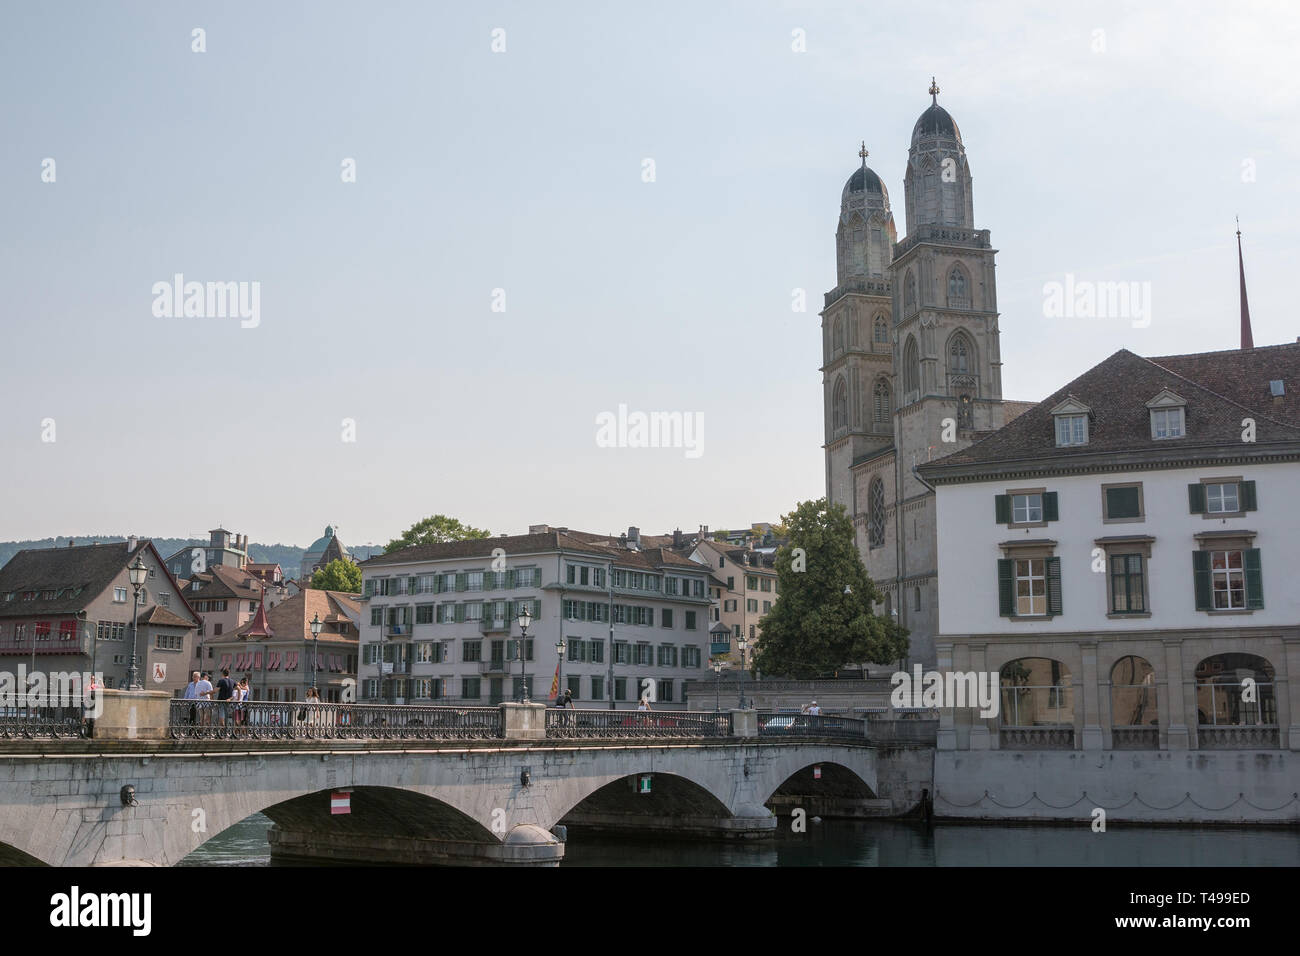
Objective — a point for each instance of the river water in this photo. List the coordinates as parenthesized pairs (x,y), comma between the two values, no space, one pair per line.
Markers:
(883,843)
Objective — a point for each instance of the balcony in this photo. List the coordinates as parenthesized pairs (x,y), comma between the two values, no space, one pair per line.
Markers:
(494,665)
(397,630)
(494,625)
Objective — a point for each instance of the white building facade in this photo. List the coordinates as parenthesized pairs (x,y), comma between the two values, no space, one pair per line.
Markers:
(444,620)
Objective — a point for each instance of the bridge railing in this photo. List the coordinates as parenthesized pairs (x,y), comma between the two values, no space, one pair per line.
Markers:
(810,725)
(567,723)
(27,722)
(269,720)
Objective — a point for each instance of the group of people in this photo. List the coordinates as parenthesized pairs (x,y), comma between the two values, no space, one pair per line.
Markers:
(228,693)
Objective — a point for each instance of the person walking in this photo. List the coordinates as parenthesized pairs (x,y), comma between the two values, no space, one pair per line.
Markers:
(241,695)
(192,694)
(204,694)
(225,693)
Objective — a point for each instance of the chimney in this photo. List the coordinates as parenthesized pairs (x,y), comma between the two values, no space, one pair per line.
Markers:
(71,543)
(677,537)
(131,543)
(704,532)
(633,538)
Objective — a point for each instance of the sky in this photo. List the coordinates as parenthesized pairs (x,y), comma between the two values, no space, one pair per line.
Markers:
(441,334)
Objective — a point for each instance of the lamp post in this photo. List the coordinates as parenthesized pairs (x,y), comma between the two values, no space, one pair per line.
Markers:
(559,670)
(316,625)
(742,643)
(717,684)
(138,574)
(525,619)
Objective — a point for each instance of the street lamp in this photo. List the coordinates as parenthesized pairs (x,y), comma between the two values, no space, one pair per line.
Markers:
(316,625)
(717,684)
(559,670)
(138,574)
(525,619)
(742,643)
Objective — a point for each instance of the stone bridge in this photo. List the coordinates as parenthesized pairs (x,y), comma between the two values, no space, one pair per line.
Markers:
(412,801)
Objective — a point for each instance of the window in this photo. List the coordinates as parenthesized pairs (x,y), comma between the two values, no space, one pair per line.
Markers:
(376,617)
(169,642)
(1029,583)
(690,620)
(957,298)
(691,657)
(916,599)
(622,652)
(751,582)
(424,613)
(909,294)
(471,651)
(575,686)
(119,595)
(880,331)
(1026,507)
(620,688)
(667,655)
(1166,423)
(426,653)
(666,617)
(644,654)
(598,688)
(1122,502)
(470,688)
(1228,575)
(1127,594)
(577,649)
(876,519)
(1071,430)
(474,581)
(840,405)
(911,369)
(511,648)
(837,337)
(959,355)
(766,584)
(731,584)
(216,629)
(751,605)
(446,613)
(664,690)
(767,606)
(1222,497)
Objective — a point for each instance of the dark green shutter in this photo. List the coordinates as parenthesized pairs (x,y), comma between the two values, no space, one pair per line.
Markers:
(1053,585)
(489,580)
(1006,587)
(1254,579)
(1002,508)
(460,613)
(1050,510)
(412,585)
(462,581)
(1246,497)
(1196,498)
(1201,580)
(510,579)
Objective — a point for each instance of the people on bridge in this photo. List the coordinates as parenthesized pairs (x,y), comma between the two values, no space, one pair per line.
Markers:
(225,692)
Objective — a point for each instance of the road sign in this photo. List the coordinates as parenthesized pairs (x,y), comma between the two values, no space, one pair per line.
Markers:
(159,672)
(341,801)
(817,772)
(644,783)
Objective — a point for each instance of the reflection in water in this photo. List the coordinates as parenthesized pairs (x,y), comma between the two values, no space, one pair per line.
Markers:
(882,843)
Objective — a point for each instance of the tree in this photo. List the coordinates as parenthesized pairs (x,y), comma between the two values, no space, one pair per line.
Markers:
(823,618)
(338,575)
(436,530)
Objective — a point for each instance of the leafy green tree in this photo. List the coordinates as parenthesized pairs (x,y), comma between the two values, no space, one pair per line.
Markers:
(822,618)
(338,575)
(435,530)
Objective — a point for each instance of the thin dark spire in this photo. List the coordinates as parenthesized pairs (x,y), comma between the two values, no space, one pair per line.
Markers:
(934,92)
(1247,340)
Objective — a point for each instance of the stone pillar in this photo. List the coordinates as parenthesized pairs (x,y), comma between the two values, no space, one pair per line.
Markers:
(1178,736)
(1091,699)
(980,736)
(1289,692)
(744,723)
(523,721)
(133,715)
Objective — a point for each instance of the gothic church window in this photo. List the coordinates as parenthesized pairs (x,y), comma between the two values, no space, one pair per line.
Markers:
(880,403)
(911,367)
(840,405)
(909,294)
(880,333)
(959,355)
(837,337)
(876,525)
(957,297)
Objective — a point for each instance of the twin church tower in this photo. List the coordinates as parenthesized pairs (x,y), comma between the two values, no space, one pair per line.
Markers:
(909,339)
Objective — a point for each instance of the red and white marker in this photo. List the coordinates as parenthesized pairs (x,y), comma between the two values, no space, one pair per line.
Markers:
(341,801)
(817,772)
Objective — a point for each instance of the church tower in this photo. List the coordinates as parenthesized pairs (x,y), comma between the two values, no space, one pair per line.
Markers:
(857,352)
(944,301)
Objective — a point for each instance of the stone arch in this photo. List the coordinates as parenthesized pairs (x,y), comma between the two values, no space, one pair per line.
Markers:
(1220,691)
(856,762)
(840,404)
(1037,705)
(911,368)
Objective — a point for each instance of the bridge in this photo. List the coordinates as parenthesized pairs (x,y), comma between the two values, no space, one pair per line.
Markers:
(151,779)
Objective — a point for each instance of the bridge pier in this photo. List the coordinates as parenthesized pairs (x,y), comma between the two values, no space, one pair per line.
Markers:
(525,845)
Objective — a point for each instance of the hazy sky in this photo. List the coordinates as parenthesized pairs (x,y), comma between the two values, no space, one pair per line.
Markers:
(1115,156)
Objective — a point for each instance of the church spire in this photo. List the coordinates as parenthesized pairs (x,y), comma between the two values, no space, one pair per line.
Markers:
(1247,340)
(934,92)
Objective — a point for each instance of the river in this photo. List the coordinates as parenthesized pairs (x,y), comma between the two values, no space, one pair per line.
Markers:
(883,843)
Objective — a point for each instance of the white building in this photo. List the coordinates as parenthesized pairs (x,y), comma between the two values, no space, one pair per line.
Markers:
(444,616)
(1122,557)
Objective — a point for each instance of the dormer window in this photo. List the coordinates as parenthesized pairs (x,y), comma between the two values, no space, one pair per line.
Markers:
(1071,423)
(1167,418)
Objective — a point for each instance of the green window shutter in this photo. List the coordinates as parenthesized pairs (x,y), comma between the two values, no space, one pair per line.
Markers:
(1201,580)
(510,610)
(510,579)
(1050,509)
(412,585)
(462,581)
(460,613)
(1246,497)
(1254,579)
(489,580)
(1002,508)
(1196,498)
(1006,587)
(1053,585)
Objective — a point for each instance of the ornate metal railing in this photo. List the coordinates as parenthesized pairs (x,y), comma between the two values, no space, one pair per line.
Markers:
(23,722)
(1036,738)
(810,725)
(269,720)
(564,723)
(1135,738)
(1221,737)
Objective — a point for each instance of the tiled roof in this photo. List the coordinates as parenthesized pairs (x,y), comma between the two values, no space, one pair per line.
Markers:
(291,618)
(221,581)
(92,568)
(1220,388)
(162,617)
(598,545)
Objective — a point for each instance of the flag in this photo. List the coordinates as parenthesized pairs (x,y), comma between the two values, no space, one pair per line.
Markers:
(555,682)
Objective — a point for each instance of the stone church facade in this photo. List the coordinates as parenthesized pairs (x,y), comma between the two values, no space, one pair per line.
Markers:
(911,365)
